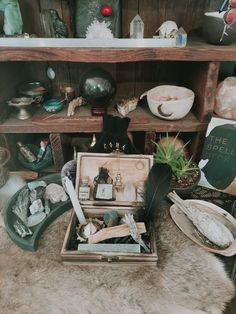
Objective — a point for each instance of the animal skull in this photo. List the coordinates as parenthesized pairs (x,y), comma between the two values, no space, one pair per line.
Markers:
(167,29)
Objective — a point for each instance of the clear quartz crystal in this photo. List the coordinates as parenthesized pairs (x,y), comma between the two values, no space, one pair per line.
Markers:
(137,27)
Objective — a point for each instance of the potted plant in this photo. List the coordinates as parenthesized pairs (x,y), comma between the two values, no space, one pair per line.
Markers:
(185,172)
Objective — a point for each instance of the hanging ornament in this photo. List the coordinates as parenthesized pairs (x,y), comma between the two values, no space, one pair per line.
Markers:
(106,10)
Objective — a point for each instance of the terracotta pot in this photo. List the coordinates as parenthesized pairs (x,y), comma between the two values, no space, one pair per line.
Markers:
(185,191)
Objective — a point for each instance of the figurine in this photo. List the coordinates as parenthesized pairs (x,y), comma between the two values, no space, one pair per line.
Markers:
(59,27)
(168,29)
(12,17)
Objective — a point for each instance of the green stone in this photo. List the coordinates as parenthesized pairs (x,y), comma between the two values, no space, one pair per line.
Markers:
(12,17)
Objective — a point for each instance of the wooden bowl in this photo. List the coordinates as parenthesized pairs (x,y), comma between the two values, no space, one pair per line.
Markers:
(185,225)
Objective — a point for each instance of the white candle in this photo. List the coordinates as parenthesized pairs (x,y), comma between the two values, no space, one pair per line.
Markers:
(74,200)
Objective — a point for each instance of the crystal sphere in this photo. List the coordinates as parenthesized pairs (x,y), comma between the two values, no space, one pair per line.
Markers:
(97,87)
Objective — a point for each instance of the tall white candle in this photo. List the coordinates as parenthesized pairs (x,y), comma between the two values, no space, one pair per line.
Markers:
(74,200)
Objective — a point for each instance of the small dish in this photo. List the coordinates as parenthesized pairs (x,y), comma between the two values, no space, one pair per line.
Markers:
(46,161)
(21,103)
(53,105)
(185,225)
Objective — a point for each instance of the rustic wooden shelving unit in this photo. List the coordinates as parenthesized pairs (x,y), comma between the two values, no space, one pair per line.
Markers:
(135,69)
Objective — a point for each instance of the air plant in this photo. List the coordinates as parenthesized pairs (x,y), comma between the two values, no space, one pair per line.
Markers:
(169,153)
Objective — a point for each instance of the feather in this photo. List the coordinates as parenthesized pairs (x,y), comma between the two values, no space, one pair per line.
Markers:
(156,188)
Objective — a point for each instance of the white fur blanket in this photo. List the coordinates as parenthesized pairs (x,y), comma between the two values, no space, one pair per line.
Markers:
(187,279)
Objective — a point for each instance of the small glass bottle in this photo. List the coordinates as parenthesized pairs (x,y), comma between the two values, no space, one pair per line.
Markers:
(26,152)
(84,189)
(103,186)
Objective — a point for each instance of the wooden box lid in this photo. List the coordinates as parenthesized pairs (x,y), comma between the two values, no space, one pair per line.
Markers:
(132,170)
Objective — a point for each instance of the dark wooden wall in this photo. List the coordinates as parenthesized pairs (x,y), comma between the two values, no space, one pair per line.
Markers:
(186,13)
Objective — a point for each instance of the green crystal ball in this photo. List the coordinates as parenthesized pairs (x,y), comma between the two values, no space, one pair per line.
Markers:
(97,87)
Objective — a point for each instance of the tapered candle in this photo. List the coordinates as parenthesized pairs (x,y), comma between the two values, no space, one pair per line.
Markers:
(74,200)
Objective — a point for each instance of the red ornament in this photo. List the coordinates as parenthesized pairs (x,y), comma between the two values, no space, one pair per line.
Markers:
(232,3)
(230,16)
(106,10)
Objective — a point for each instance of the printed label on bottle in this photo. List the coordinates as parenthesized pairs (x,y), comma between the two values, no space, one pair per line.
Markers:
(84,192)
(104,191)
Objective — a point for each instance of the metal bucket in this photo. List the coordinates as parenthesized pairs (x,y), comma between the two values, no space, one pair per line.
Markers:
(4,158)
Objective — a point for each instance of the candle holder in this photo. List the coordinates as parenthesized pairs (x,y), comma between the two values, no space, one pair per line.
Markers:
(21,103)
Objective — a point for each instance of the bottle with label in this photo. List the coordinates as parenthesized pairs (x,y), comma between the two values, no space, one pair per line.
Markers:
(26,152)
(103,186)
(84,189)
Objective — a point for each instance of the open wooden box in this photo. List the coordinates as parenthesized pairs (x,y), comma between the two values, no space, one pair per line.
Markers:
(132,168)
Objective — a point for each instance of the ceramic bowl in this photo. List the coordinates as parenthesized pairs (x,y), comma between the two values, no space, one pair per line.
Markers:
(170,102)
(53,105)
(36,90)
(214,27)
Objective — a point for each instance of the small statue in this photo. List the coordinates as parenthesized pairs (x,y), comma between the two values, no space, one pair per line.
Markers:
(168,29)
(12,17)
(59,27)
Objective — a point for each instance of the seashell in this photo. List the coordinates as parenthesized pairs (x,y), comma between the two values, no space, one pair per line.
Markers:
(126,105)
(167,29)
(55,193)
(35,219)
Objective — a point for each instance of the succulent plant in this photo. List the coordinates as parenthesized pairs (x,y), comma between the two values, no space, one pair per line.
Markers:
(168,153)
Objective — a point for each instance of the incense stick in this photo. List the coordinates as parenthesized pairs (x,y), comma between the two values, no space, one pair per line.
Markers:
(223,5)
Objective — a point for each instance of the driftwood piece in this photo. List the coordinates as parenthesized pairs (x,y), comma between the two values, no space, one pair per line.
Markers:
(27,175)
(114,232)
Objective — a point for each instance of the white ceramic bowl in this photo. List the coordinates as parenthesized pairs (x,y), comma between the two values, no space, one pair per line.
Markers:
(170,102)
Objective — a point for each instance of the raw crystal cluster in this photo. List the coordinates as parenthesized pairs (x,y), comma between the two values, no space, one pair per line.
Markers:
(34,203)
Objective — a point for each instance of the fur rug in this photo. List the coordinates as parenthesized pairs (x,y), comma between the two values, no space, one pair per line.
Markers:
(187,279)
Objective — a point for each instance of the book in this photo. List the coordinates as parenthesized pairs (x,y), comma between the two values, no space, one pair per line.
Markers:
(218,158)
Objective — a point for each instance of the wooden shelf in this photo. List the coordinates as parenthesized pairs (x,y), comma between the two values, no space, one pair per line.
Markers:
(196,50)
(141,120)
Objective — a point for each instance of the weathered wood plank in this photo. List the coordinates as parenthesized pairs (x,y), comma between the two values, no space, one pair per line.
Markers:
(204,85)
(141,120)
(196,50)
